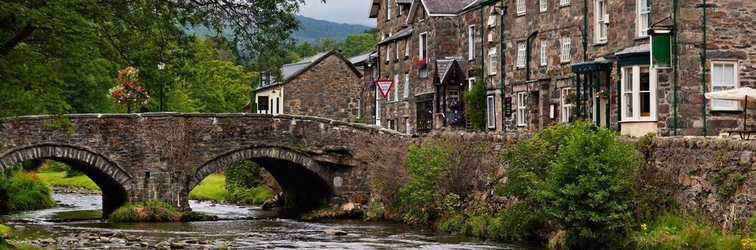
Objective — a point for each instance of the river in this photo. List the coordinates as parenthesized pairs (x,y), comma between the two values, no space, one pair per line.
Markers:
(75,224)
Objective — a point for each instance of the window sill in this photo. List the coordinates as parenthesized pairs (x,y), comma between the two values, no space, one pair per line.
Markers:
(638,121)
(565,62)
(602,43)
(641,38)
(726,111)
(521,14)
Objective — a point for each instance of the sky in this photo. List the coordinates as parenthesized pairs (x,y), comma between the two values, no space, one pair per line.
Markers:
(339,11)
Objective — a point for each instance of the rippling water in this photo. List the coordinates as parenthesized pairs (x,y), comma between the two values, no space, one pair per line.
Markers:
(243,227)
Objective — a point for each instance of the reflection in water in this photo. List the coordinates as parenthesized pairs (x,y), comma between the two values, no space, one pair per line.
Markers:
(244,227)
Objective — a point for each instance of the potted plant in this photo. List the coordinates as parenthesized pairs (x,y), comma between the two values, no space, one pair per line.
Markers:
(420,63)
(569,98)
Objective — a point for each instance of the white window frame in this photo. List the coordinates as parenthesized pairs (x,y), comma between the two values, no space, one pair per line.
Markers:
(491,108)
(642,20)
(521,7)
(377,107)
(406,86)
(396,47)
(601,24)
(564,2)
(567,106)
(388,52)
(471,42)
(522,98)
(393,93)
(566,56)
(470,83)
(544,5)
(521,50)
(720,82)
(423,53)
(388,10)
(544,53)
(631,93)
(492,61)
(406,48)
(407,125)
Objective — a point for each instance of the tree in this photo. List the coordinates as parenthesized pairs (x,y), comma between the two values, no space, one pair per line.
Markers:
(357,44)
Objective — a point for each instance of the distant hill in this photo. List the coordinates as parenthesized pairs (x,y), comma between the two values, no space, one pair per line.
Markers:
(311,30)
(314,28)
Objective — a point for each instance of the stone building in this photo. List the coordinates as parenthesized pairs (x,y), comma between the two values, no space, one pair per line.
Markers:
(325,85)
(550,61)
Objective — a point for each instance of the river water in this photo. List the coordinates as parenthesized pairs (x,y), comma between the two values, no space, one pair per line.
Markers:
(239,227)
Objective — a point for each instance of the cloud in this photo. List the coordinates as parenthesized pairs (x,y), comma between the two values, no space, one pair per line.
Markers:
(339,11)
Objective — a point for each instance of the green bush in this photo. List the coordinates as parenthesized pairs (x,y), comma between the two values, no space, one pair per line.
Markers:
(23,191)
(255,196)
(476,103)
(580,177)
(420,197)
(243,174)
(151,211)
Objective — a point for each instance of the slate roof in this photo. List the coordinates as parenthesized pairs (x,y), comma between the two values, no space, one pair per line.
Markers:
(361,59)
(446,6)
(404,1)
(401,34)
(444,66)
(292,70)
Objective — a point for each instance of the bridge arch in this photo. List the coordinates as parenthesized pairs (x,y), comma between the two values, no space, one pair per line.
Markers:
(304,181)
(112,180)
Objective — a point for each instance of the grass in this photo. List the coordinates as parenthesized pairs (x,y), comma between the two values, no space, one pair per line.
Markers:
(670,231)
(59,179)
(211,188)
(150,211)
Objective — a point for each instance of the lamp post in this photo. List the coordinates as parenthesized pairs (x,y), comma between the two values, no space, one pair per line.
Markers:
(502,60)
(161,67)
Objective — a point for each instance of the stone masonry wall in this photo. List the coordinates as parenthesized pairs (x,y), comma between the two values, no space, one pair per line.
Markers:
(329,88)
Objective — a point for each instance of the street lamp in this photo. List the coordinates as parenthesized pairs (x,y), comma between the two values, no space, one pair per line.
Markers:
(161,67)
(502,60)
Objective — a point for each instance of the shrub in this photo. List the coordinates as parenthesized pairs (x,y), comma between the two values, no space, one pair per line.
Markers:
(580,177)
(476,101)
(255,196)
(243,174)
(150,211)
(24,191)
(421,198)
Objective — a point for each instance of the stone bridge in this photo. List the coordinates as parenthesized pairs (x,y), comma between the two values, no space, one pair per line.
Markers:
(163,156)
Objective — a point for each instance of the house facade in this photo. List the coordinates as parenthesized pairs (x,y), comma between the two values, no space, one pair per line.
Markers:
(550,61)
(325,85)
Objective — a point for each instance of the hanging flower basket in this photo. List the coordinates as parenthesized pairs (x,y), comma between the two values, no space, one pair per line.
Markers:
(420,63)
(456,105)
(458,121)
(603,94)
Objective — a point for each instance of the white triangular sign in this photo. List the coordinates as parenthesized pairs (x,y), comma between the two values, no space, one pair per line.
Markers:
(384,86)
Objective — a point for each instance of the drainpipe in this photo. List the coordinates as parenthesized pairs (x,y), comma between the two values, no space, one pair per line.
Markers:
(703,67)
(501,64)
(674,66)
(482,53)
(527,55)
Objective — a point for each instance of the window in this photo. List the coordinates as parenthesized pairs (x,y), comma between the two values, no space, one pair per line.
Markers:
(724,76)
(601,22)
(544,53)
(521,55)
(388,52)
(390,124)
(357,105)
(422,53)
(566,45)
(568,102)
(564,2)
(470,83)
(406,85)
(393,93)
(377,107)
(388,10)
(492,61)
(406,48)
(421,45)
(644,9)
(401,9)
(520,7)
(638,91)
(491,107)
(544,4)
(471,42)
(521,98)
(407,128)
(396,50)
(453,95)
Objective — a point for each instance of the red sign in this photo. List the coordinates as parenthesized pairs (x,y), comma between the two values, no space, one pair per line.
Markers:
(384,86)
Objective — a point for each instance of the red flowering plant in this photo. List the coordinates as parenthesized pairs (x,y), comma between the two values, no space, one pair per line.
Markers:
(129,92)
